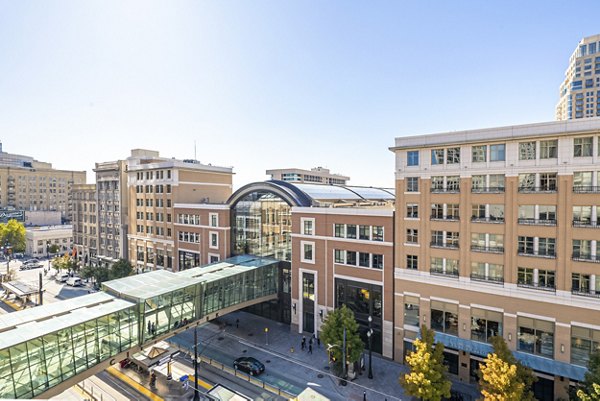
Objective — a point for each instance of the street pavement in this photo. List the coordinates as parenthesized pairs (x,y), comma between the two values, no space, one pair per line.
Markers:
(292,369)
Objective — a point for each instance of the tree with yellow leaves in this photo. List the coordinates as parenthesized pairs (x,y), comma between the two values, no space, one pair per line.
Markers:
(499,380)
(427,379)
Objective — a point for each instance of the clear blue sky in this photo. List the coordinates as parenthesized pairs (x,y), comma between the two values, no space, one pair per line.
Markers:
(271,84)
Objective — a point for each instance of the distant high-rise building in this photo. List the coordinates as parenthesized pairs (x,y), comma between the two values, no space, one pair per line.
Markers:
(580,91)
(28,184)
(317,175)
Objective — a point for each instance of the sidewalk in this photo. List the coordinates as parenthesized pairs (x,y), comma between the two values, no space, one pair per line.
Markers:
(287,344)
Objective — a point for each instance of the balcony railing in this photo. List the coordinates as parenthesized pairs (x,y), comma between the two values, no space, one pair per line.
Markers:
(537,222)
(444,218)
(536,287)
(586,257)
(544,189)
(586,189)
(585,224)
(490,249)
(438,271)
(439,244)
(493,220)
(538,254)
(487,190)
(445,190)
(592,294)
(483,277)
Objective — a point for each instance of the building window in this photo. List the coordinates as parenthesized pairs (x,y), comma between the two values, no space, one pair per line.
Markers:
(549,149)
(307,252)
(527,150)
(584,342)
(214,240)
(339,230)
(351,258)
(547,246)
(412,262)
(478,183)
(364,232)
(377,261)
(412,236)
(412,158)
(527,181)
(453,183)
(580,283)
(452,155)
(536,336)
(339,256)
(364,259)
(307,226)
(582,249)
(582,147)
(444,317)
(582,180)
(479,154)
(548,181)
(214,219)
(582,214)
(437,156)
(351,231)
(377,233)
(411,311)
(526,245)
(497,152)
(412,184)
(412,211)
(485,324)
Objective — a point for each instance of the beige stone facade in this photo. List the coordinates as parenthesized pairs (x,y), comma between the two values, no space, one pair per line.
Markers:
(497,233)
(85,224)
(316,175)
(28,184)
(37,240)
(155,185)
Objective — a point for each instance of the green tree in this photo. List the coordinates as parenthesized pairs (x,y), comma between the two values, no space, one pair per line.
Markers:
(96,273)
(13,233)
(524,374)
(64,262)
(332,334)
(121,268)
(498,380)
(592,396)
(427,378)
(54,249)
(591,378)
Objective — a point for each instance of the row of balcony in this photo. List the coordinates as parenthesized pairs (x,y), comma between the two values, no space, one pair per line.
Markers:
(579,189)
(522,221)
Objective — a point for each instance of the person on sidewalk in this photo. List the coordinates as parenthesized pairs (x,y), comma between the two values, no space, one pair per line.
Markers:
(303,343)
(310,347)
(237,323)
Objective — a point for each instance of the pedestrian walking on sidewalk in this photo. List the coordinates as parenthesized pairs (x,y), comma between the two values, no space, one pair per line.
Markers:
(310,347)
(310,342)
(303,344)
(237,323)
(319,342)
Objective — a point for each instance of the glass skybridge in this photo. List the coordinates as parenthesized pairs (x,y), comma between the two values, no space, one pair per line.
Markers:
(57,343)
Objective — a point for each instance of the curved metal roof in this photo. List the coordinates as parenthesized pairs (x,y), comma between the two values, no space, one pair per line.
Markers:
(303,194)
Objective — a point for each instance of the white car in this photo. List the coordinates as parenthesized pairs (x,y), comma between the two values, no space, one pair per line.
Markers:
(74,281)
(62,278)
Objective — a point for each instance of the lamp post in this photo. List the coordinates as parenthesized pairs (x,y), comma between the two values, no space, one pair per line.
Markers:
(369,335)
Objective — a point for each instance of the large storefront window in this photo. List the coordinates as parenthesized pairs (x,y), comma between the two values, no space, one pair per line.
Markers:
(364,300)
(444,317)
(188,260)
(536,336)
(485,324)
(262,226)
(584,342)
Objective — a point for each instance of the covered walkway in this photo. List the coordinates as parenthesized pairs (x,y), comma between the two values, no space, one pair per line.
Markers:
(46,349)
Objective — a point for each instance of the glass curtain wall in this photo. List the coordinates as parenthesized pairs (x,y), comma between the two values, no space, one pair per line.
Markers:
(262,226)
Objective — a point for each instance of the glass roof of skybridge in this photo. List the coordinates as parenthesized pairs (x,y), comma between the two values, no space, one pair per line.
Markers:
(159,282)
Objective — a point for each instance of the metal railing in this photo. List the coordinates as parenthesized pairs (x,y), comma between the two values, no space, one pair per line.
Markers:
(445,190)
(586,189)
(536,222)
(493,220)
(439,244)
(440,272)
(536,287)
(585,224)
(490,249)
(592,294)
(483,277)
(444,218)
(488,190)
(544,189)
(585,257)
(537,254)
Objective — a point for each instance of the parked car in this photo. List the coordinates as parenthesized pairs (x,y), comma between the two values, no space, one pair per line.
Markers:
(250,365)
(30,264)
(62,278)
(74,281)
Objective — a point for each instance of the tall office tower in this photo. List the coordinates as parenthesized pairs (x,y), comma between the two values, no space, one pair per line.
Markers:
(497,234)
(28,184)
(84,222)
(580,91)
(155,184)
(113,205)
(317,175)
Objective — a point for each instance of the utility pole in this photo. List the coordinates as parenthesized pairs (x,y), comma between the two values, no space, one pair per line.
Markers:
(41,291)
(196,391)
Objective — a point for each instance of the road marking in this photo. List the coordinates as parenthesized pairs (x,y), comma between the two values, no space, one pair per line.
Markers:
(200,382)
(143,390)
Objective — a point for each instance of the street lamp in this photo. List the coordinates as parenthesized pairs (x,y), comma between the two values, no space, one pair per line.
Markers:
(369,336)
